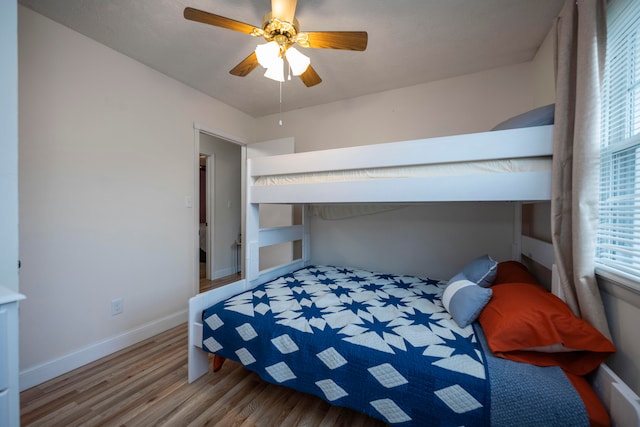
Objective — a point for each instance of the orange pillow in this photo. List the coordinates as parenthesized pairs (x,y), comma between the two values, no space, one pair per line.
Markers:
(513,272)
(526,323)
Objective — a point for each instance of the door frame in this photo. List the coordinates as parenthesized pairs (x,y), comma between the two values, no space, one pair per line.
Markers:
(199,129)
(210,206)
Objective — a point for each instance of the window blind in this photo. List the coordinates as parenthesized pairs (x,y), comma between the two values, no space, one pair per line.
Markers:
(618,235)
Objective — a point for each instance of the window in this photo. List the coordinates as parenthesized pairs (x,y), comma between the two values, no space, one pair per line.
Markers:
(618,244)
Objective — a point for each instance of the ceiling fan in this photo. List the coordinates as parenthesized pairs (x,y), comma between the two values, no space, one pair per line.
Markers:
(281,30)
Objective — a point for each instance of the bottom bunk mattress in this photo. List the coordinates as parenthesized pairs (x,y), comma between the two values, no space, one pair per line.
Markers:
(384,345)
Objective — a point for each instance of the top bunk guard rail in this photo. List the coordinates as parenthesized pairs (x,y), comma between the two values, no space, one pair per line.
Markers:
(467,185)
(275,235)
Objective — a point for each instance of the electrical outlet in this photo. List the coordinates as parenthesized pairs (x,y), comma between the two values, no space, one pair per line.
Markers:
(117,306)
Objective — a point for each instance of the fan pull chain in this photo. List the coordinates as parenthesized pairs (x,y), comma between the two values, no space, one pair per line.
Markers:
(280,121)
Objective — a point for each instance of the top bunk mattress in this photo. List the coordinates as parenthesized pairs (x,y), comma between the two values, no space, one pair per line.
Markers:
(534,164)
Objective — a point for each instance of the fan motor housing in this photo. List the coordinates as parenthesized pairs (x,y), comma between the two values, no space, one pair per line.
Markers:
(280,31)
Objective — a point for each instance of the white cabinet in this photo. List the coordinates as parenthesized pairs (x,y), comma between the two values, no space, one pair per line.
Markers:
(9,363)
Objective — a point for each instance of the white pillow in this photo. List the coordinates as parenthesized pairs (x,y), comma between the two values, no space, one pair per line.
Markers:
(464,300)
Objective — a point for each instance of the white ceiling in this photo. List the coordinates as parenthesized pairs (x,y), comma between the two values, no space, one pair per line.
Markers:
(410,42)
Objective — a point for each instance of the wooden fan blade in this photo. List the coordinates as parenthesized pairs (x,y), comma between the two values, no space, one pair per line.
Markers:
(246,66)
(217,20)
(349,40)
(284,10)
(310,77)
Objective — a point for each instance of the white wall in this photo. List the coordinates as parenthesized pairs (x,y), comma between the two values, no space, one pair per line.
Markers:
(543,71)
(9,145)
(107,159)
(434,240)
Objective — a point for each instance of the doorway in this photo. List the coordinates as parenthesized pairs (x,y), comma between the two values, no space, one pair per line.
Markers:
(219,210)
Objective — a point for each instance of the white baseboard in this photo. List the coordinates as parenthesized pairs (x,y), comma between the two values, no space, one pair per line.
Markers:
(224,272)
(38,374)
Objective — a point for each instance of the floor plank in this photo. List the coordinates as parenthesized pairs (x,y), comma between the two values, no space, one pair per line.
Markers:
(146,385)
(206,284)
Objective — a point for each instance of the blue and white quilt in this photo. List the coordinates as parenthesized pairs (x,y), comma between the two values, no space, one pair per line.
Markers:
(381,344)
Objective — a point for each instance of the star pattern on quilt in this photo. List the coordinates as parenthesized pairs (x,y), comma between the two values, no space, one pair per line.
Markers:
(384,312)
(340,291)
(356,307)
(327,281)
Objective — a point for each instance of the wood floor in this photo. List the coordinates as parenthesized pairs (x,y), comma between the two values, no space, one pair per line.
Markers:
(206,284)
(146,385)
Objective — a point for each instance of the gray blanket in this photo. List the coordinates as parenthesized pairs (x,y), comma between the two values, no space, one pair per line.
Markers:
(526,395)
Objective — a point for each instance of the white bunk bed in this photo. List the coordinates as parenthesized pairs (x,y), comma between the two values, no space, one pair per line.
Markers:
(508,165)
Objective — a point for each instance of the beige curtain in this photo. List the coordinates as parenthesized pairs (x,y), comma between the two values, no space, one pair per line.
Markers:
(581,40)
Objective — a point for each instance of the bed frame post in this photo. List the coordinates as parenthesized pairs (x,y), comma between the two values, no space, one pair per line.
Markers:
(516,247)
(622,403)
(252,231)
(198,359)
(306,242)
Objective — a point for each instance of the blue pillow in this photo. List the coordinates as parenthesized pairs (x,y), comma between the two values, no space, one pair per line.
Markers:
(464,300)
(482,271)
(538,117)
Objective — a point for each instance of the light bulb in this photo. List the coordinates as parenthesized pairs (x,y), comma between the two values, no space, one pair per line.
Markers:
(298,62)
(267,53)
(276,70)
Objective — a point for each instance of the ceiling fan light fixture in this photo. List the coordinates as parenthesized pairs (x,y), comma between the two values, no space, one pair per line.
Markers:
(268,54)
(297,61)
(276,70)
